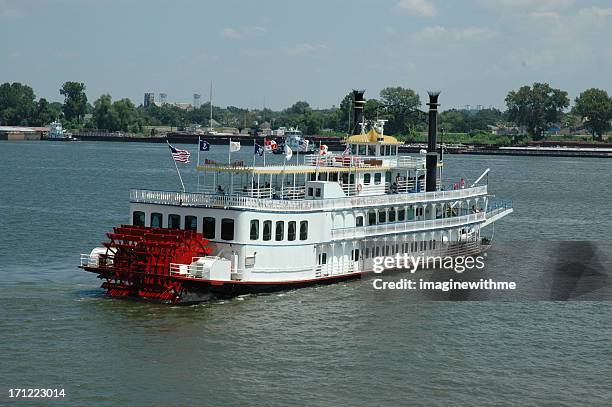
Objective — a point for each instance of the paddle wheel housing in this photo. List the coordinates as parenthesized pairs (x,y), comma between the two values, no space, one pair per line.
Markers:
(137,261)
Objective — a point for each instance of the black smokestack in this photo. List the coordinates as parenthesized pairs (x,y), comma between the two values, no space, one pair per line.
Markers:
(358,104)
(432,154)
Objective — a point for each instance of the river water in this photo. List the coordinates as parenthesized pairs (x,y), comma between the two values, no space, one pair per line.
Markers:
(546,343)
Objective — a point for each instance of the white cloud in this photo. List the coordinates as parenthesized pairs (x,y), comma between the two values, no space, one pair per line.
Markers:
(10,9)
(595,12)
(469,34)
(305,49)
(423,8)
(242,32)
(526,5)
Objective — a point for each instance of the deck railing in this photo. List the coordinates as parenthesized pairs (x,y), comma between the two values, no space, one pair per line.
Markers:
(402,227)
(245,202)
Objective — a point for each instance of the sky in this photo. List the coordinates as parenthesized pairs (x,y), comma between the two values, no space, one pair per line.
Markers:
(275,52)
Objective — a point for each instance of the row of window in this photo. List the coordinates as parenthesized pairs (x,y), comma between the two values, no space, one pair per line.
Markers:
(391,215)
(362,149)
(407,247)
(227,226)
(191,223)
(387,250)
(279,230)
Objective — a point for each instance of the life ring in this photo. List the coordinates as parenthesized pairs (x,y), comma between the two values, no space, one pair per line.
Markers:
(359,187)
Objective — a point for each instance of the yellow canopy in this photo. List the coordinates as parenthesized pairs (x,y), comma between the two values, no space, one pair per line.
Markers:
(372,136)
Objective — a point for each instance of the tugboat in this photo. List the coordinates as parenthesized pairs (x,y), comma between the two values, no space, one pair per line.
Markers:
(257,228)
(57,133)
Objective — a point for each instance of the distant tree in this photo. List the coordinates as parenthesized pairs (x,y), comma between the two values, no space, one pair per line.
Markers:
(401,105)
(45,113)
(104,114)
(595,107)
(536,107)
(310,122)
(126,114)
(17,106)
(75,100)
(298,108)
(454,121)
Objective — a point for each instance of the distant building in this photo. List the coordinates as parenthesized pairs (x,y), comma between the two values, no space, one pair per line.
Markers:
(149,99)
(22,133)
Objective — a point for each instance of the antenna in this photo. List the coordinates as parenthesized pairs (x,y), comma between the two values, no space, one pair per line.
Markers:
(210,102)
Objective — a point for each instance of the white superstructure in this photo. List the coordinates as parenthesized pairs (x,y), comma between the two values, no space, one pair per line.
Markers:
(327,216)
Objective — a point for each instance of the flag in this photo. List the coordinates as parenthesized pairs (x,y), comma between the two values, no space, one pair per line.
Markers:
(204,145)
(270,145)
(323,149)
(347,150)
(234,146)
(259,150)
(288,152)
(181,156)
(303,145)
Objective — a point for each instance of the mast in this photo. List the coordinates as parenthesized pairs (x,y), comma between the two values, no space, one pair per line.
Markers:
(210,103)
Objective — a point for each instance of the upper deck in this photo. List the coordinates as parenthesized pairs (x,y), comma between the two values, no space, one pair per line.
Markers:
(207,200)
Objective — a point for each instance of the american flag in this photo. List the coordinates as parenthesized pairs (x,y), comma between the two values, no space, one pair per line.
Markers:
(181,156)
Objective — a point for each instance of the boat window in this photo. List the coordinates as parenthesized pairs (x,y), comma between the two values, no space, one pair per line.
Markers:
(291,231)
(353,149)
(227,229)
(138,218)
(388,177)
(313,177)
(310,191)
(411,213)
(352,179)
(304,230)
(359,221)
(345,178)
(394,150)
(392,215)
(280,230)
(208,227)
(371,150)
(401,214)
(366,178)
(318,192)
(174,221)
(372,218)
(388,150)
(377,251)
(355,254)
(191,223)
(362,150)
(377,178)
(267,230)
(254,233)
(382,216)
(386,250)
(322,258)
(156,220)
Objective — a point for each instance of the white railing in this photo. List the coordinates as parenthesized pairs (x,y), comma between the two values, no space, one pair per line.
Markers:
(401,227)
(326,270)
(244,202)
(89,261)
(337,160)
(407,161)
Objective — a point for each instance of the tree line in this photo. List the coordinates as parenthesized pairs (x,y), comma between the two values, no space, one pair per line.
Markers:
(534,108)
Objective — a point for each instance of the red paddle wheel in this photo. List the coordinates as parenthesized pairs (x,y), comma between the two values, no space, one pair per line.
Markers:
(137,261)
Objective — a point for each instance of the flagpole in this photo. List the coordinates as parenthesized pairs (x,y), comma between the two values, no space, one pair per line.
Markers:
(229,163)
(253,170)
(177,170)
(198,163)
